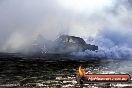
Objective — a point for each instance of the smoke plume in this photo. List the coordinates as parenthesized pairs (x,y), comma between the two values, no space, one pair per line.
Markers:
(109,27)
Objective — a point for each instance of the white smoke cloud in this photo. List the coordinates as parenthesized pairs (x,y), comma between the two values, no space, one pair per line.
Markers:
(22,21)
(114,34)
(109,28)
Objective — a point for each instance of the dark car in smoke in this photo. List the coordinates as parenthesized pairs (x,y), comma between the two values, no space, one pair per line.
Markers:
(66,44)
